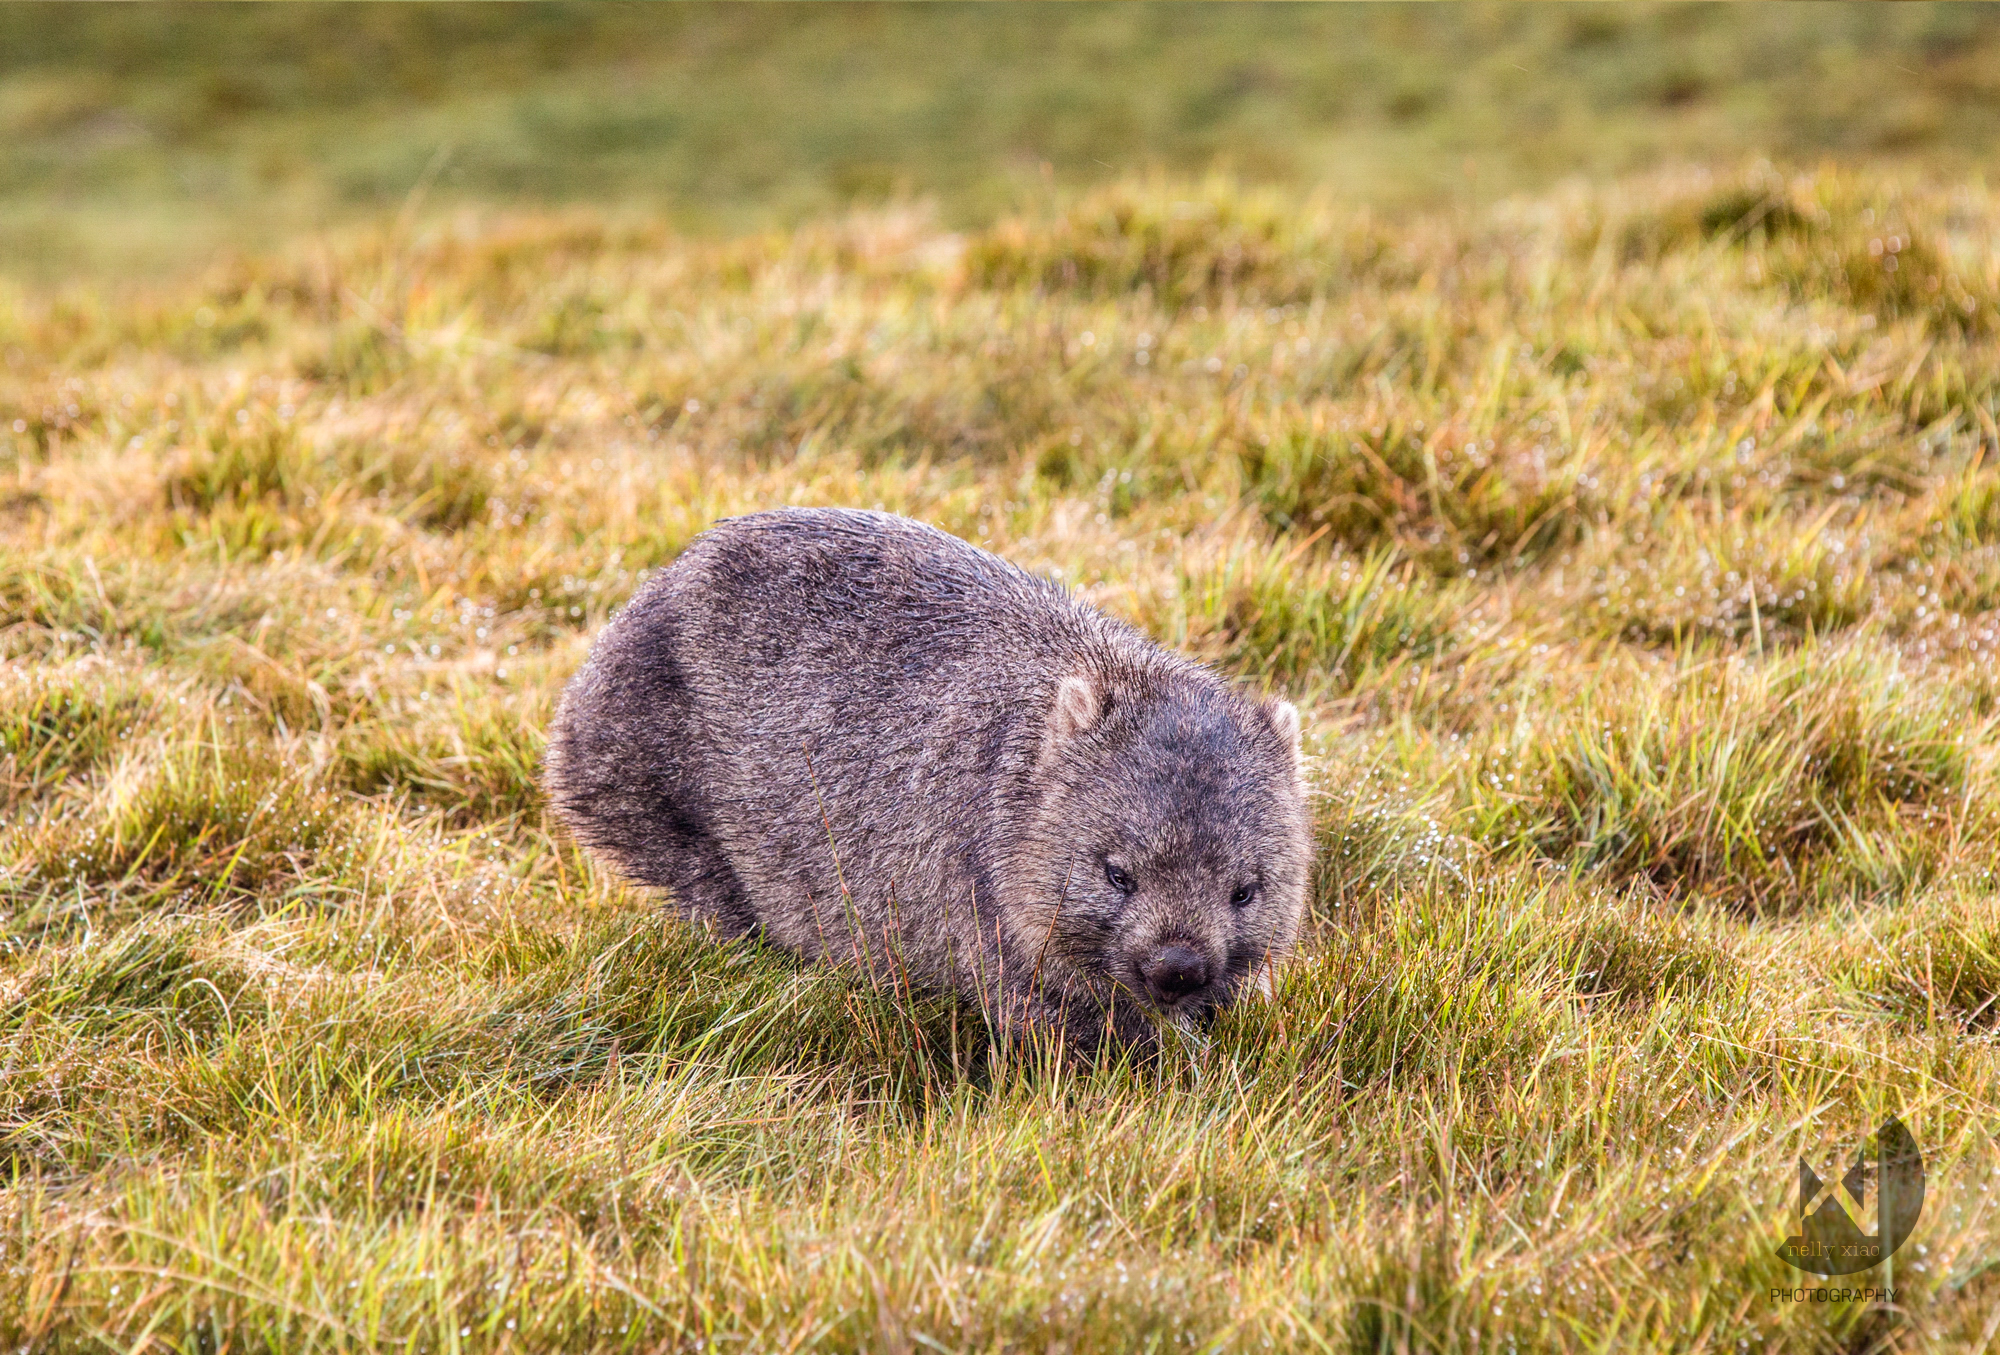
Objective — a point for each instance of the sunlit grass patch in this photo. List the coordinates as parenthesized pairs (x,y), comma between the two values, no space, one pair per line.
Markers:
(145,990)
(1310,623)
(245,480)
(1384,828)
(212,820)
(1408,1000)
(1181,244)
(469,752)
(1639,953)
(59,604)
(1457,505)
(1968,512)
(1934,960)
(440,489)
(60,725)
(1803,777)
(228,462)
(1760,580)
(1831,235)
(1760,209)
(660,992)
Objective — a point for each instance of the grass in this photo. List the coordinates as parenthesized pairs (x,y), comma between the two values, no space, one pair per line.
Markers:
(1633,549)
(147,139)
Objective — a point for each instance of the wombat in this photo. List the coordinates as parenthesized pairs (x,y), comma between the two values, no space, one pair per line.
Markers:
(868,740)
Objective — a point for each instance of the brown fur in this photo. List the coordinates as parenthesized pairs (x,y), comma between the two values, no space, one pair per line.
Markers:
(870,741)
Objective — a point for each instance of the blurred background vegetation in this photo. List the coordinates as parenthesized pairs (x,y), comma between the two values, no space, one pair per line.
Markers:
(142,137)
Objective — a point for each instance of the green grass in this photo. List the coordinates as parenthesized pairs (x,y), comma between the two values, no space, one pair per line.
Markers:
(1634,553)
(148,138)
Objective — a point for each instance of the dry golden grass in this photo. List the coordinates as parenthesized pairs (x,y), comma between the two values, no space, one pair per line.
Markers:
(1635,552)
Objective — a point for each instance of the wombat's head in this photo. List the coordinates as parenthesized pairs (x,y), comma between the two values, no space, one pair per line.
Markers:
(1172,845)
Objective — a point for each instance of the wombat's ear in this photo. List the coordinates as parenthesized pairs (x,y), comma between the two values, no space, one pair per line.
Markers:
(1079,705)
(1285,717)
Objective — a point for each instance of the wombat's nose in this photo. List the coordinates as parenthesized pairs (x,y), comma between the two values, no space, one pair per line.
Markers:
(1174,973)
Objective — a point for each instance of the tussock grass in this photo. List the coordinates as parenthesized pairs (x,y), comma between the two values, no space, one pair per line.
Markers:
(209,811)
(57,726)
(1633,551)
(1786,779)
(1305,622)
(1216,244)
(473,756)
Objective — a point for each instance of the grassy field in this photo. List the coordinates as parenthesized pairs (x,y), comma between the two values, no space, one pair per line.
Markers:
(143,136)
(1634,551)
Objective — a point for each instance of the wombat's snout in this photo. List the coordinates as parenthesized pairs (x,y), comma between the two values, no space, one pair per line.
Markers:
(1174,973)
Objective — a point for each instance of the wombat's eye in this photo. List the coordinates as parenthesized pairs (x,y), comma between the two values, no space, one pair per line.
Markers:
(1243,895)
(1120,881)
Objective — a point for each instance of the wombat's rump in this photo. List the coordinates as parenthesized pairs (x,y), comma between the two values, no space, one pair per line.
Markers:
(877,743)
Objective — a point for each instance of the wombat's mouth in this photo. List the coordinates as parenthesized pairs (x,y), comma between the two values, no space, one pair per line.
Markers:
(1191,1005)
(1197,1013)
